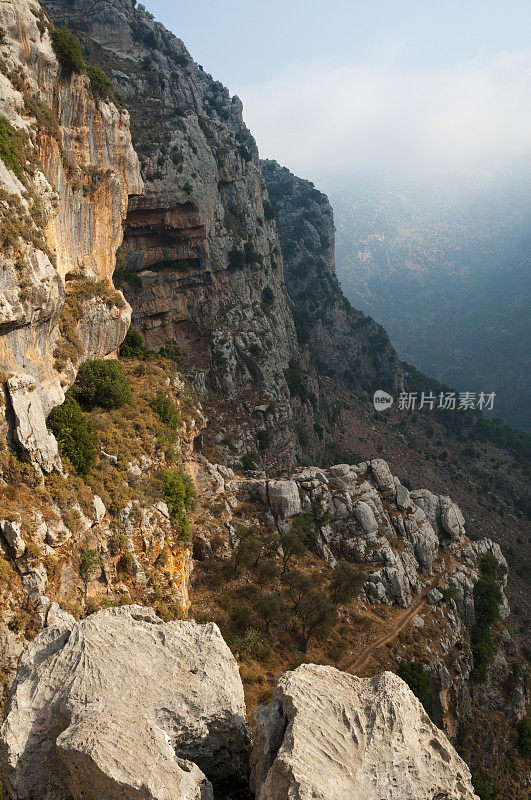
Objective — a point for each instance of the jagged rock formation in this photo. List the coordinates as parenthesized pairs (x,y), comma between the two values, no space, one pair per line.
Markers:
(201,257)
(412,549)
(123,705)
(328,734)
(362,510)
(62,202)
(344,344)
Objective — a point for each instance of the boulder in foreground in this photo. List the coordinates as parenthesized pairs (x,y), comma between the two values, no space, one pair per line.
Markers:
(328,734)
(122,706)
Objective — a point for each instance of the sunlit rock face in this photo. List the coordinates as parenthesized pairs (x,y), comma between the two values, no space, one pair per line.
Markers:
(62,205)
(124,705)
(201,258)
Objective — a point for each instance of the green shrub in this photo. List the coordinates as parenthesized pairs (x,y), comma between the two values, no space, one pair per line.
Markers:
(133,346)
(220,360)
(90,565)
(251,255)
(264,440)
(268,299)
(11,148)
(248,464)
(346,583)
(297,585)
(295,380)
(100,83)
(102,383)
(118,543)
(272,609)
(67,49)
(417,679)
(448,593)
(487,599)
(75,435)
(126,565)
(305,528)
(204,125)
(292,548)
(524,735)
(179,493)
(269,211)
(168,612)
(173,352)
(317,616)
(236,259)
(177,156)
(165,410)
(484,786)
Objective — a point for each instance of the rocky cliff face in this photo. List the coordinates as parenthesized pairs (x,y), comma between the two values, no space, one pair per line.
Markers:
(201,263)
(67,169)
(423,584)
(341,351)
(201,259)
(183,722)
(343,343)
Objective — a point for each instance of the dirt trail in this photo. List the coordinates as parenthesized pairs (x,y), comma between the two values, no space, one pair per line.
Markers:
(400,623)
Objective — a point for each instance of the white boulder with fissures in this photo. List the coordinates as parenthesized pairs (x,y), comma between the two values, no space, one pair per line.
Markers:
(123,705)
(329,735)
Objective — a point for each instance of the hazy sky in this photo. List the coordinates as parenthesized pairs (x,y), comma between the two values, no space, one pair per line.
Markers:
(396,88)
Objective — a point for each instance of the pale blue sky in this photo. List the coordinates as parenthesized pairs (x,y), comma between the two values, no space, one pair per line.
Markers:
(333,88)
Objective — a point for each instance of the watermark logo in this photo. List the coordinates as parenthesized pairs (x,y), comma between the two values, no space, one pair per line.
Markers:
(448,401)
(382,401)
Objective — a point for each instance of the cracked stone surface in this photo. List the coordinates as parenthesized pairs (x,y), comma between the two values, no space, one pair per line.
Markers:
(122,705)
(328,734)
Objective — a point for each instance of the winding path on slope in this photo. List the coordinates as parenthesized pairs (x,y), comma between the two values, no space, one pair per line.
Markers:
(400,623)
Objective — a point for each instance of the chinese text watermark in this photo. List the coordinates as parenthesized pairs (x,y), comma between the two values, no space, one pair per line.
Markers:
(448,401)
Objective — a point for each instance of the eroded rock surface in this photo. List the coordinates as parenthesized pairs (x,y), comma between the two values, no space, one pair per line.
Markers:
(62,204)
(328,734)
(362,511)
(122,705)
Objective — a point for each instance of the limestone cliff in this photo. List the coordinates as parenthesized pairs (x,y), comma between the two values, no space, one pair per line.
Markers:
(342,351)
(202,262)
(66,171)
(201,259)
(344,344)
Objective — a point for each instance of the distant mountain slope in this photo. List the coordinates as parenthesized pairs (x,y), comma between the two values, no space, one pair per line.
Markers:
(451,285)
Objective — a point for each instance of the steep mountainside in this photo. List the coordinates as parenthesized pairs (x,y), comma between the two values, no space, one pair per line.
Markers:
(137,499)
(63,200)
(344,344)
(201,259)
(66,168)
(202,262)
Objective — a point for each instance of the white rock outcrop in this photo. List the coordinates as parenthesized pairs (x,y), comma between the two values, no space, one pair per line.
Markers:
(32,436)
(122,705)
(328,734)
(284,499)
